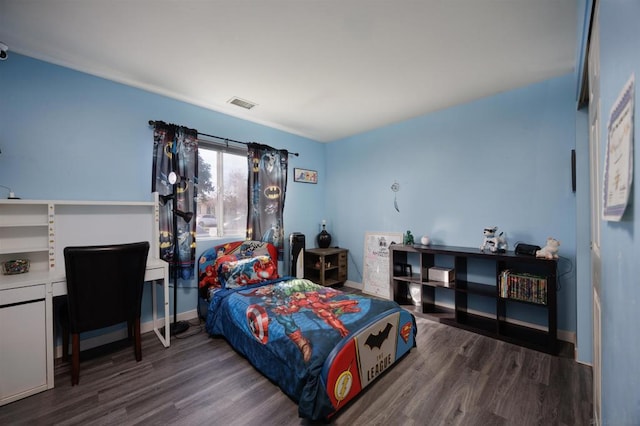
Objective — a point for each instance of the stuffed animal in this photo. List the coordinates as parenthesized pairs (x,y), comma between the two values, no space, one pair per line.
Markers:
(550,251)
(492,242)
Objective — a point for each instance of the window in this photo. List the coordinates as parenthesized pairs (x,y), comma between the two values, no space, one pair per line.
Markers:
(222,191)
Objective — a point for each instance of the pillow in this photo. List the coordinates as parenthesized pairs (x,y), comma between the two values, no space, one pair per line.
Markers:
(256,248)
(234,273)
(208,269)
(208,263)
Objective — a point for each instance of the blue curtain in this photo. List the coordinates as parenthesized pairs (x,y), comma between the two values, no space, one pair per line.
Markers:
(175,149)
(266,194)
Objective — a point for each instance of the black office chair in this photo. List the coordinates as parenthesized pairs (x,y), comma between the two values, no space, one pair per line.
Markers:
(104,288)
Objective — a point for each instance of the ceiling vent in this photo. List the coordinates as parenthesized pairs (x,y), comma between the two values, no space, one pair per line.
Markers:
(241,103)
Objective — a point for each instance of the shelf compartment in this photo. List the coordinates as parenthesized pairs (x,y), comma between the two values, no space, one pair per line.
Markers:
(331,281)
(20,214)
(23,239)
(415,278)
(471,322)
(531,338)
(316,269)
(438,313)
(23,250)
(476,288)
(38,261)
(440,284)
(326,268)
(418,293)
(526,302)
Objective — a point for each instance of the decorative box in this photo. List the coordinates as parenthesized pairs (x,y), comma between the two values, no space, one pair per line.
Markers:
(445,275)
(17,266)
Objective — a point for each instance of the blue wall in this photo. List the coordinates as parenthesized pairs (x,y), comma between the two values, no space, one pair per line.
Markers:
(503,160)
(69,135)
(620,286)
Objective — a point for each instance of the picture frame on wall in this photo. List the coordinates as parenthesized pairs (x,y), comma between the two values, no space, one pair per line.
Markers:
(305,175)
(618,162)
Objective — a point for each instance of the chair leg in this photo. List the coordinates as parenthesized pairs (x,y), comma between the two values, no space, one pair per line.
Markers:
(63,316)
(75,359)
(65,344)
(138,341)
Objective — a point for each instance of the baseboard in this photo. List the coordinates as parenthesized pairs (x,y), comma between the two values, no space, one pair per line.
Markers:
(353,284)
(114,336)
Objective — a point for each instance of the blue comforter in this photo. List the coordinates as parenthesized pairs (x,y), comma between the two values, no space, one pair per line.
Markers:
(291,330)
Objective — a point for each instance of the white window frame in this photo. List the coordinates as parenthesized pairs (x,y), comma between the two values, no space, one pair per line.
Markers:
(220,149)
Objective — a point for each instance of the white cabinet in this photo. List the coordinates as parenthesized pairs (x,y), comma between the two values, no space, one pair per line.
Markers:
(27,231)
(23,342)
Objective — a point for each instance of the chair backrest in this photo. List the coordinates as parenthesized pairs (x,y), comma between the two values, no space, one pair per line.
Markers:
(104,284)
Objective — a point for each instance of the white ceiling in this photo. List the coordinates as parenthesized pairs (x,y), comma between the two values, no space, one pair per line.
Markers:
(322,69)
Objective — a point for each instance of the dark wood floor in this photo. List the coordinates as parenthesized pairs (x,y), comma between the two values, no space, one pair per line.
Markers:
(453,377)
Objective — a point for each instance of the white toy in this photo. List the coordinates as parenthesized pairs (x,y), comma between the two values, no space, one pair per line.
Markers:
(425,240)
(492,242)
(550,251)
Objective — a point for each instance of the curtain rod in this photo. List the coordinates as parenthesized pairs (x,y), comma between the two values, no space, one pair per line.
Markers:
(153,123)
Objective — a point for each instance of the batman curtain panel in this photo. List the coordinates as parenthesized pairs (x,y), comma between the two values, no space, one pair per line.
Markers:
(266,193)
(175,150)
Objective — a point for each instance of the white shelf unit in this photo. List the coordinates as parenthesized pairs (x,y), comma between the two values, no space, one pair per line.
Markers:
(38,230)
(27,230)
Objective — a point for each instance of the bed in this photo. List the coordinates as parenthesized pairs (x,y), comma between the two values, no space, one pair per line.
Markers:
(320,345)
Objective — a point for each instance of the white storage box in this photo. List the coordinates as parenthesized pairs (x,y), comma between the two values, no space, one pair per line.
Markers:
(415,293)
(445,275)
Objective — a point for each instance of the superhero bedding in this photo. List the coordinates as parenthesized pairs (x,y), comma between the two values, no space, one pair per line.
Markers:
(321,346)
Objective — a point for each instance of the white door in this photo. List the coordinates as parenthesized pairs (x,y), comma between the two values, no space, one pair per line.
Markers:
(596,207)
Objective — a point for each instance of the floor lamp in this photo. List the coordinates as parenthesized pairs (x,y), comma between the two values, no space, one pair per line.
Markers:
(177,327)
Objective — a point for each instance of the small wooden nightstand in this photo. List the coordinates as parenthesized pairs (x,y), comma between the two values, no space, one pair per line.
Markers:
(326,266)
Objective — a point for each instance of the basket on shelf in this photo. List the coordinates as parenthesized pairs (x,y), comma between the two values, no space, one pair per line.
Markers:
(17,266)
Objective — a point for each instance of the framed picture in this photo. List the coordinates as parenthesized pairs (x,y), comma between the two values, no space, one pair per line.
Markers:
(305,176)
(618,162)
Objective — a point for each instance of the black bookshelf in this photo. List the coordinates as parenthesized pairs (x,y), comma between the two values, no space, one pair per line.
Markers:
(416,292)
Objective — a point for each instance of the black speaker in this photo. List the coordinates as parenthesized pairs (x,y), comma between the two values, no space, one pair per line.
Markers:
(297,246)
(528,249)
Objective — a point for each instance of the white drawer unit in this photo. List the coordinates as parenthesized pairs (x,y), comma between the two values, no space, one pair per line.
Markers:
(23,342)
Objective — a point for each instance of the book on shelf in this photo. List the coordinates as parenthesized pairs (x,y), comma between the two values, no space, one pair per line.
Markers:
(523,286)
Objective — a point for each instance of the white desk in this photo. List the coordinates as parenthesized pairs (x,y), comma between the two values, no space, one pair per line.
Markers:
(39,230)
